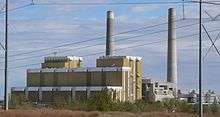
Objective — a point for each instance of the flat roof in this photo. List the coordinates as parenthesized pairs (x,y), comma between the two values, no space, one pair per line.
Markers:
(62,58)
(84,69)
(77,88)
(118,57)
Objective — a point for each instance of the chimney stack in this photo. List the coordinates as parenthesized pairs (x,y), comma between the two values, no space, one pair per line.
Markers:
(172,51)
(110,34)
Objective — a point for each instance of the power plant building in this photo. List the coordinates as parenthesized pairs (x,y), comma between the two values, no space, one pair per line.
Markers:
(65,78)
(47,84)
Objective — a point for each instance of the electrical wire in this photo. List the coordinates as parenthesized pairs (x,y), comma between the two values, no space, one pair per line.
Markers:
(206,54)
(98,38)
(110,3)
(88,40)
(128,38)
(98,53)
(16,8)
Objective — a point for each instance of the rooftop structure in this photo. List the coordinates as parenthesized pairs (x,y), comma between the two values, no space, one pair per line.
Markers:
(208,97)
(62,62)
(157,90)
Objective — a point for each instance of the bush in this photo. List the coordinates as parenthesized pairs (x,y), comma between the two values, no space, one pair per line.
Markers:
(170,105)
(183,106)
(100,102)
(214,108)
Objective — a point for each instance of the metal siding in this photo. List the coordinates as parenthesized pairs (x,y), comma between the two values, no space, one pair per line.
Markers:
(79,79)
(33,79)
(110,62)
(113,79)
(57,64)
(62,79)
(96,79)
(48,79)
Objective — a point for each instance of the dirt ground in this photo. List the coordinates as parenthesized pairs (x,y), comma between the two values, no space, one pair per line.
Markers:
(68,113)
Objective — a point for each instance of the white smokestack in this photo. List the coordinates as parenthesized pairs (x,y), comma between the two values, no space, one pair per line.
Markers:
(109,34)
(172,51)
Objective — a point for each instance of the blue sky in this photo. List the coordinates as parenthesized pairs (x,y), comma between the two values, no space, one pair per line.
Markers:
(37,27)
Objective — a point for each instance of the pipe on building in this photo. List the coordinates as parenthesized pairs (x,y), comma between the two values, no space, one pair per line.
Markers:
(110,34)
(172,51)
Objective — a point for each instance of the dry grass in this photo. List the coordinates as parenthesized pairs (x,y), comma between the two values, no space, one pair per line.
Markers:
(47,113)
(68,113)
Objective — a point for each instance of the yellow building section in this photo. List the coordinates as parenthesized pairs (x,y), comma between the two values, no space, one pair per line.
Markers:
(139,79)
(62,62)
(75,77)
(135,64)
(33,79)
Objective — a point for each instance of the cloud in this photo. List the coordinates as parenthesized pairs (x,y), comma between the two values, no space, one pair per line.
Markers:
(144,9)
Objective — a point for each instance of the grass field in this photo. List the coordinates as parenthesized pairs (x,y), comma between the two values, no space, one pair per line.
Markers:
(68,113)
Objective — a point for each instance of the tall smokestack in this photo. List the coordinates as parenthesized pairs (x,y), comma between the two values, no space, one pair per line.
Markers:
(109,34)
(172,52)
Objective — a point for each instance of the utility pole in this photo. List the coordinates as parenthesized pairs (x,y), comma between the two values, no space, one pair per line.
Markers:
(6,56)
(200,60)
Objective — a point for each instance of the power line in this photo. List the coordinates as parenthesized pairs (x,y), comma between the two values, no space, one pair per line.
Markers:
(121,3)
(98,38)
(16,8)
(210,47)
(33,3)
(111,4)
(213,43)
(2,46)
(140,45)
(128,38)
(207,2)
(88,40)
(97,53)
(93,39)
(212,3)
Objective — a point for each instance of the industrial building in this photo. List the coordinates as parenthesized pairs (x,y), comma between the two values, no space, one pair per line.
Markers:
(208,97)
(157,90)
(64,78)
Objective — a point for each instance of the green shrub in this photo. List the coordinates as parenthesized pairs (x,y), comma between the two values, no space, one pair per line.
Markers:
(154,106)
(101,101)
(17,101)
(170,104)
(183,106)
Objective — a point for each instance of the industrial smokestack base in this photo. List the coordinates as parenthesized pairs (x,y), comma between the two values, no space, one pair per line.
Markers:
(172,52)
(110,34)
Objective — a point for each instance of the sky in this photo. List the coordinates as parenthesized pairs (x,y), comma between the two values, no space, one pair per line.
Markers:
(37,27)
